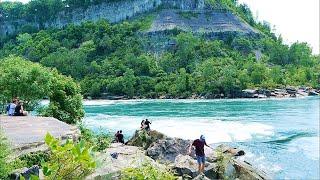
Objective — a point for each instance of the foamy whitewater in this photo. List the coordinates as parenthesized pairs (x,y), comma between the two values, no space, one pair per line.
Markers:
(280,136)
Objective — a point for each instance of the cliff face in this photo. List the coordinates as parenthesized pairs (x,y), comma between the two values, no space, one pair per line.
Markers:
(113,12)
(185,15)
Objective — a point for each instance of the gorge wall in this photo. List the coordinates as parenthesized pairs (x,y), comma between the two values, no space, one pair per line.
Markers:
(113,12)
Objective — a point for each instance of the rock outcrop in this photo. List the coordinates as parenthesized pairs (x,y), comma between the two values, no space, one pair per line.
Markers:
(26,133)
(173,152)
(126,157)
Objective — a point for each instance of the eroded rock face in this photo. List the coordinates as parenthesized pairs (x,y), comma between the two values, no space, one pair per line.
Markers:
(166,150)
(127,156)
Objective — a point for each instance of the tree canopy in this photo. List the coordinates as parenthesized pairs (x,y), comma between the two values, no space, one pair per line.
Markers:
(32,82)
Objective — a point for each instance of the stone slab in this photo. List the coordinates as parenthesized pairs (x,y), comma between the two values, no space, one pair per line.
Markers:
(27,133)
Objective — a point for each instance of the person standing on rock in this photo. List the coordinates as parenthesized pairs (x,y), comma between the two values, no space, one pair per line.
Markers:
(147,125)
(199,145)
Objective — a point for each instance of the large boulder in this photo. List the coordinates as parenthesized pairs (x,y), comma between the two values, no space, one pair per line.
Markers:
(186,166)
(166,150)
(246,171)
(142,138)
(119,157)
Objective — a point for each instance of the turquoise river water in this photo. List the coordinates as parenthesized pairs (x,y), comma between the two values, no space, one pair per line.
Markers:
(279,136)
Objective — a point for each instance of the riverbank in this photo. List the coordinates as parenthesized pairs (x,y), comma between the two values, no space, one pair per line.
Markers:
(289,92)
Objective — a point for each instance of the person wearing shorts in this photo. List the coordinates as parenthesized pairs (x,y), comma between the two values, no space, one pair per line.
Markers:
(199,146)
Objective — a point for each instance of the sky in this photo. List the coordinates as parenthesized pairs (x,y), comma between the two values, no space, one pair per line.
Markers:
(294,20)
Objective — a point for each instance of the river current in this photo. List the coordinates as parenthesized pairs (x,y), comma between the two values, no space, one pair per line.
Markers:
(279,136)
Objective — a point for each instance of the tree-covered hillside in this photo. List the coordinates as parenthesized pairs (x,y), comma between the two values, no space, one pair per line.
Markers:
(112,59)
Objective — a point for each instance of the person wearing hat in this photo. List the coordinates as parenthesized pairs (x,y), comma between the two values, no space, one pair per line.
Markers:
(199,146)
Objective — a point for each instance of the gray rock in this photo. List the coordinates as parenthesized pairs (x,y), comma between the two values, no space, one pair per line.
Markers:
(166,150)
(128,156)
(26,133)
(25,172)
(186,165)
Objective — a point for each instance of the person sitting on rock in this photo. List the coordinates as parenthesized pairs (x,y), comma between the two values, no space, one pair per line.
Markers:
(116,136)
(199,145)
(11,107)
(19,111)
(120,137)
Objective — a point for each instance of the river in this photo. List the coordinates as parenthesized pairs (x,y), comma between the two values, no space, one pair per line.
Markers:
(279,136)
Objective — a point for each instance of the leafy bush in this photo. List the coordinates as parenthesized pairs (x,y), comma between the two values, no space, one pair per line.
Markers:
(36,82)
(99,141)
(65,99)
(5,166)
(147,172)
(68,161)
(35,158)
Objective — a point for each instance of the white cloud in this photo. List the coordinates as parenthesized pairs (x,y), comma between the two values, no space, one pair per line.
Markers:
(295,20)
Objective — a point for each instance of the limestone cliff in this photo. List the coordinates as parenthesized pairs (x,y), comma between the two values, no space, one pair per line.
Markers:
(186,15)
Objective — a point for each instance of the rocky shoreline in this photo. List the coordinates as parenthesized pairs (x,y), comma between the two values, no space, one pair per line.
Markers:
(165,153)
(171,153)
(288,92)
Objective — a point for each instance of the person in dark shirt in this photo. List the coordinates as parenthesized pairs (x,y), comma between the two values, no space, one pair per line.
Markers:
(142,124)
(120,137)
(116,136)
(199,145)
(19,111)
(147,124)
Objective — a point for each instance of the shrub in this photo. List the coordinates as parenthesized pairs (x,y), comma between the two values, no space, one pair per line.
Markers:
(147,172)
(99,141)
(35,158)
(68,161)
(65,99)
(36,82)
(5,166)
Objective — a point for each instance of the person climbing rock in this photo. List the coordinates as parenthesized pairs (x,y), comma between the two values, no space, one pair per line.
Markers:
(199,146)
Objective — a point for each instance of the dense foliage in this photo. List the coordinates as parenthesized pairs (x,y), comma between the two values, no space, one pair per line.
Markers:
(99,141)
(68,161)
(116,59)
(5,167)
(31,82)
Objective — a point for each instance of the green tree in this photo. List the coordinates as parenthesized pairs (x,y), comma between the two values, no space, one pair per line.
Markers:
(65,99)
(31,82)
(24,79)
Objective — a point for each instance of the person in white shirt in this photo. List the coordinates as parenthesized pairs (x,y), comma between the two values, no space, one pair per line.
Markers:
(12,107)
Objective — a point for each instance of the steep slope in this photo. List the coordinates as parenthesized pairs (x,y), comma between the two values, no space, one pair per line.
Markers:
(200,21)
(172,14)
